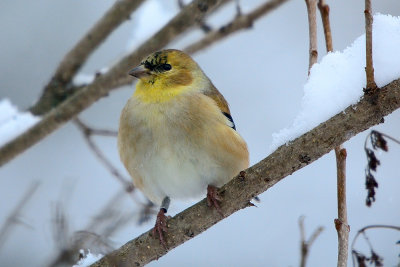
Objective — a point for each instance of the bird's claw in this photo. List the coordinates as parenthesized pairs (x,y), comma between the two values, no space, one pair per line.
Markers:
(161,227)
(213,198)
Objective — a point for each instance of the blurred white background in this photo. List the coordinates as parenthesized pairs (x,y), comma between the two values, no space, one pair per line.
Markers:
(260,71)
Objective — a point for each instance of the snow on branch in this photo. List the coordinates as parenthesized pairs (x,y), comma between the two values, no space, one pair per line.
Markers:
(338,80)
(13,122)
(238,193)
(103,84)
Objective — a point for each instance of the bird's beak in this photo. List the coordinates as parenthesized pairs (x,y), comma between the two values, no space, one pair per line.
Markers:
(139,72)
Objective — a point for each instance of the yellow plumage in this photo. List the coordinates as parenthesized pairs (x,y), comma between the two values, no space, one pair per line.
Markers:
(176,135)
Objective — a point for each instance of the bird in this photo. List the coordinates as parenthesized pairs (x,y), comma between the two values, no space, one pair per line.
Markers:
(176,137)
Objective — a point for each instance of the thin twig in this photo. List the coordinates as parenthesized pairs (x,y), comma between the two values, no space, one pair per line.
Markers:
(312,30)
(362,231)
(96,233)
(305,245)
(238,192)
(57,88)
(324,10)
(14,218)
(202,24)
(238,8)
(87,134)
(389,137)
(116,76)
(341,223)
(369,69)
(240,22)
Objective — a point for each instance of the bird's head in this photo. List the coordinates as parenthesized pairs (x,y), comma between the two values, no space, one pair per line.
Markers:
(165,74)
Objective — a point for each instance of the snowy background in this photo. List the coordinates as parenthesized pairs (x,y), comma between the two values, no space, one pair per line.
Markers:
(261,72)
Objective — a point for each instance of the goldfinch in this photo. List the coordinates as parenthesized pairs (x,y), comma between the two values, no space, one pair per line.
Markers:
(176,136)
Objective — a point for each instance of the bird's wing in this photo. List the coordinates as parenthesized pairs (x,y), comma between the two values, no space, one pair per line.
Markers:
(219,99)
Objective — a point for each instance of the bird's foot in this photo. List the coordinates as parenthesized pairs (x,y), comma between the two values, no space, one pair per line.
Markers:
(213,198)
(161,227)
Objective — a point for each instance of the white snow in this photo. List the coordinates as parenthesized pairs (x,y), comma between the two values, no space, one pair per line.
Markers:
(82,79)
(150,17)
(338,80)
(13,122)
(88,259)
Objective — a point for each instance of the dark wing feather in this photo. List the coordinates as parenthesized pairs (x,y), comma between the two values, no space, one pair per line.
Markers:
(219,99)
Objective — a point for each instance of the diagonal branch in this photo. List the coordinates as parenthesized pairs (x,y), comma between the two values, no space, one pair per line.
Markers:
(239,191)
(57,87)
(87,134)
(116,76)
(239,23)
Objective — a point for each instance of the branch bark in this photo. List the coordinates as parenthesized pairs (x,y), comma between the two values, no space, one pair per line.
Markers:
(116,76)
(260,177)
(312,30)
(341,223)
(369,69)
(324,10)
(57,88)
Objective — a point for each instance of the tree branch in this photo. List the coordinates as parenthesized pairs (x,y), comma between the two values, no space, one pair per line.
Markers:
(239,23)
(369,69)
(312,30)
(57,88)
(324,10)
(260,177)
(87,133)
(341,223)
(116,76)
(305,245)
(13,219)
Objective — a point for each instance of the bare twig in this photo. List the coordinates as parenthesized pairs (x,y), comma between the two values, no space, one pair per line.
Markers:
(341,223)
(115,77)
(202,24)
(312,30)
(369,69)
(305,245)
(238,23)
(14,218)
(259,178)
(238,8)
(57,89)
(97,232)
(355,254)
(87,134)
(324,10)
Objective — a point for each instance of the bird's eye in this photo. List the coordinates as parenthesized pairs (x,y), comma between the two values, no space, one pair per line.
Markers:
(165,67)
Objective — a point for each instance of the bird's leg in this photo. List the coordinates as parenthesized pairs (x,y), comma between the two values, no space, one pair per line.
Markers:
(161,222)
(213,198)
